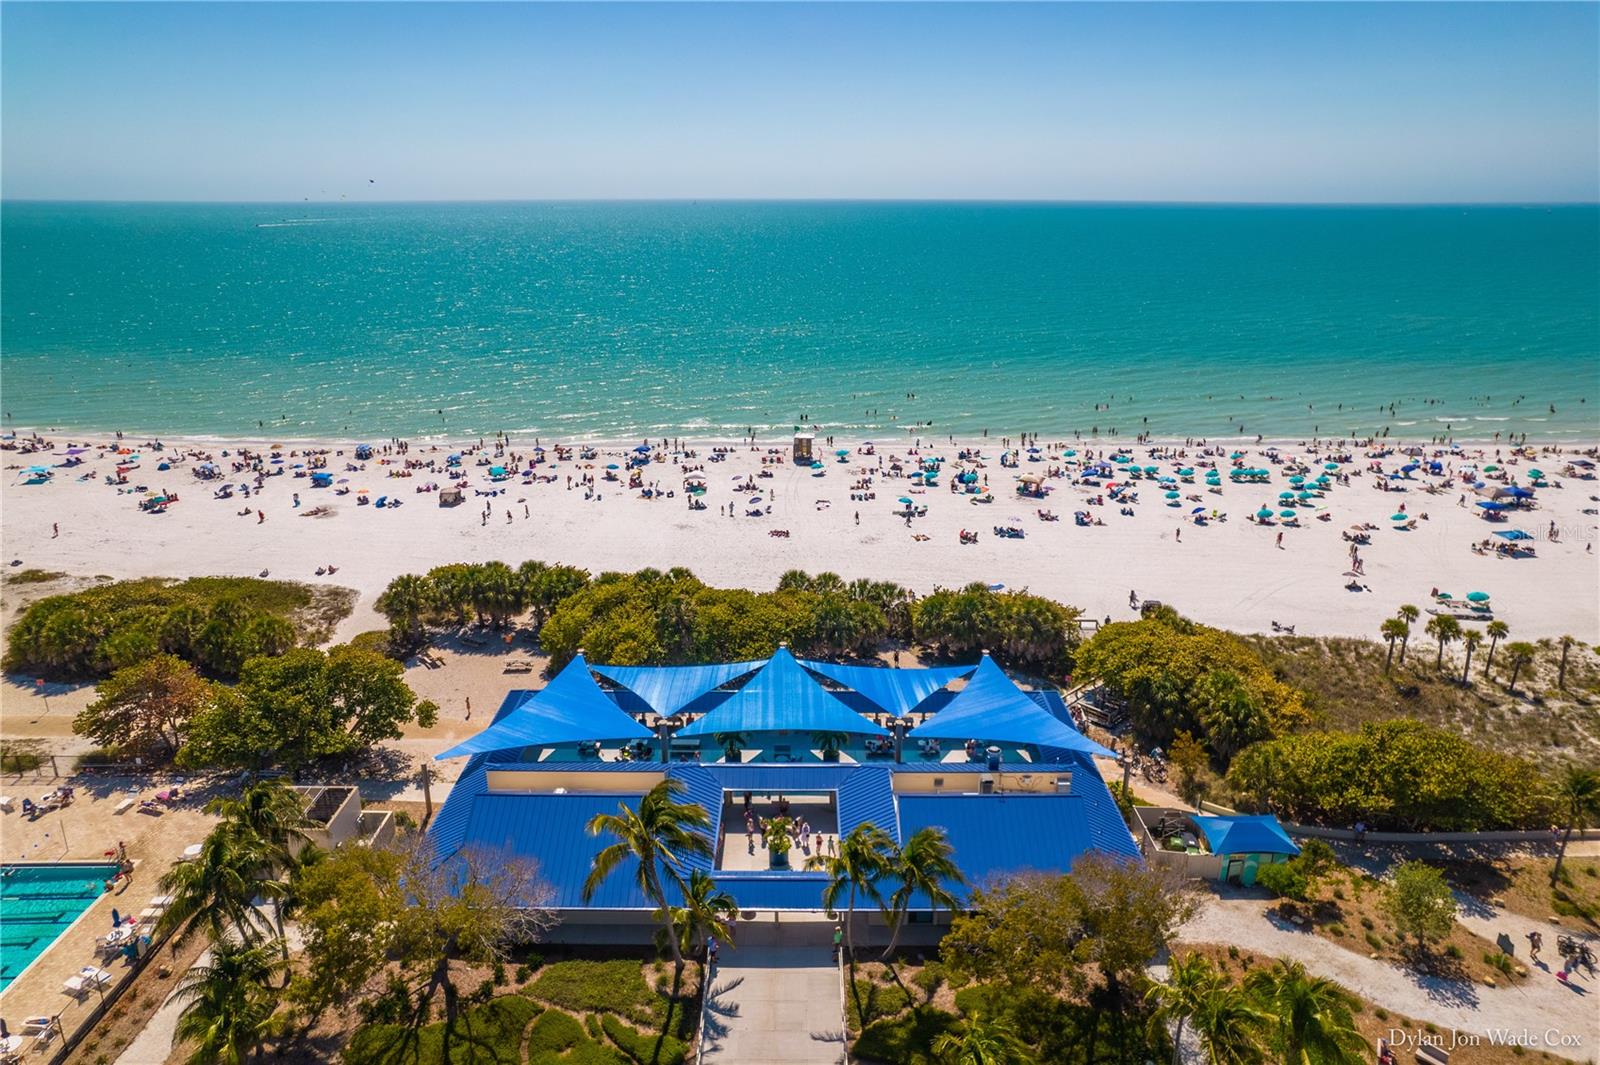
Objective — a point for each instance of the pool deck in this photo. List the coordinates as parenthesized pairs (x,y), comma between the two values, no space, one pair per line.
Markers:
(84,831)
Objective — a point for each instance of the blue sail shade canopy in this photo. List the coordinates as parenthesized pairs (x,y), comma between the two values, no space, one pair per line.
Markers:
(896,691)
(782,697)
(668,689)
(568,709)
(991,707)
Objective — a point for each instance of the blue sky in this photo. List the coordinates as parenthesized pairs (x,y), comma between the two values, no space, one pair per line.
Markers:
(1287,102)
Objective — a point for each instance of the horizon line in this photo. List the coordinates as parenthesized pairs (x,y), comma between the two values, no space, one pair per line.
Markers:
(976,200)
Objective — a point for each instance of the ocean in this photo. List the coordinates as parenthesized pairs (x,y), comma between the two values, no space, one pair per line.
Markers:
(708,320)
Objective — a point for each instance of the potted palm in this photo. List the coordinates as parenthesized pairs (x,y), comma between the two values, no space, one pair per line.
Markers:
(732,744)
(829,744)
(778,842)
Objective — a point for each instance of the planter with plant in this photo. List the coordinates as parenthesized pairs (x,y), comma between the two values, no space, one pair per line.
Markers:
(732,744)
(829,743)
(778,842)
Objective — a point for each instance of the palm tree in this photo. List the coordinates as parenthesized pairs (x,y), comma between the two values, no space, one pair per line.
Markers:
(1393,629)
(707,911)
(1231,1027)
(1472,638)
(1311,1017)
(1190,980)
(268,813)
(661,833)
(923,864)
(1408,614)
(229,1004)
(1521,654)
(1561,670)
(270,820)
(862,861)
(1497,631)
(980,1042)
(216,892)
(405,602)
(1578,796)
(1445,629)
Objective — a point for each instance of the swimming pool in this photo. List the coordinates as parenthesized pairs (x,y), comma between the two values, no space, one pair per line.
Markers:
(38,903)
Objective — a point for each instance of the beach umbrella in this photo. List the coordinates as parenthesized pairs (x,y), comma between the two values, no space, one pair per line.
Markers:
(1399,517)
(1296,479)
(1152,469)
(1477,597)
(1033,451)
(344,480)
(842,451)
(1304,495)
(1285,513)
(816,465)
(1285,495)
(1531,473)
(1514,534)
(1490,469)
(1069,453)
(612,466)
(642,449)
(1330,466)
(1187,471)
(1237,455)
(1172,495)
(1519,493)
(1264,512)
(906,500)
(1198,510)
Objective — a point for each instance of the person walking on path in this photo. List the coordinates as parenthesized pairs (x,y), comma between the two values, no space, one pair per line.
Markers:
(1535,941)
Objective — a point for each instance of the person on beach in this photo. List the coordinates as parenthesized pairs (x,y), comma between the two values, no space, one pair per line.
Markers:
(55,528)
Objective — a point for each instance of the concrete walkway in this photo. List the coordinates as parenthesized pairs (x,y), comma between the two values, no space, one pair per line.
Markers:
(1540,1005)
(775,999)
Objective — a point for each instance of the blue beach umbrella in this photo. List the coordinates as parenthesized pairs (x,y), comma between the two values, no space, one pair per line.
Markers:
(1172,495)
(906,500)
(1285,513)
(1264,512)
(1477,597)
(1330,466)
(1399,517)
(1285,495)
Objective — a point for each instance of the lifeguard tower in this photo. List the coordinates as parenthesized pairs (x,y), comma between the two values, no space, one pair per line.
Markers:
(802,447)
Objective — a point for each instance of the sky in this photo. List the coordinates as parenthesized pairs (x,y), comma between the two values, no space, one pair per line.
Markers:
(1313,102)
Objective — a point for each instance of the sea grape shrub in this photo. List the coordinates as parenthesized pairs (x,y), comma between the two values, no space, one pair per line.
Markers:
(1397,775)
(214,623)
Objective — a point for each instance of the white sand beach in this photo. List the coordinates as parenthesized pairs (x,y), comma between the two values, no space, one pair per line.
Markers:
(1228,572)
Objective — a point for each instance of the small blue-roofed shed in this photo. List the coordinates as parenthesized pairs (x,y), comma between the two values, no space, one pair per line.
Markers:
(1245,842)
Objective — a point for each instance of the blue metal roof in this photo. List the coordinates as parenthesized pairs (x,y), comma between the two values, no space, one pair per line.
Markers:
(1246,834)
(669,689)
(782,697)
(549,830)
(568,709)
(991,707)
(894,690)
(995,834)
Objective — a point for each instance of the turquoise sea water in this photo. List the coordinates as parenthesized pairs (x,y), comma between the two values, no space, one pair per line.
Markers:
(40,902)
(610,321)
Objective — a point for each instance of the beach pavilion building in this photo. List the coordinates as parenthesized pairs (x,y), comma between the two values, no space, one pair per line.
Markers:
(1000,769)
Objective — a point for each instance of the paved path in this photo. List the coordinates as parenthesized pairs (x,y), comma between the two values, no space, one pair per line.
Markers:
(1540,1004)
(775,1005)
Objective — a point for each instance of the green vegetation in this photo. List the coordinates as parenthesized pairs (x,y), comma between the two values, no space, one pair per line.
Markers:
(304,705)
(614,987)
(1298,877)
(1022,631)
(491,1033)
(146,709)
(1181,676)
(1419,903)
(215,623)
(488,592)
(655,617)
(33,576)
(1399,774)
(21,756)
